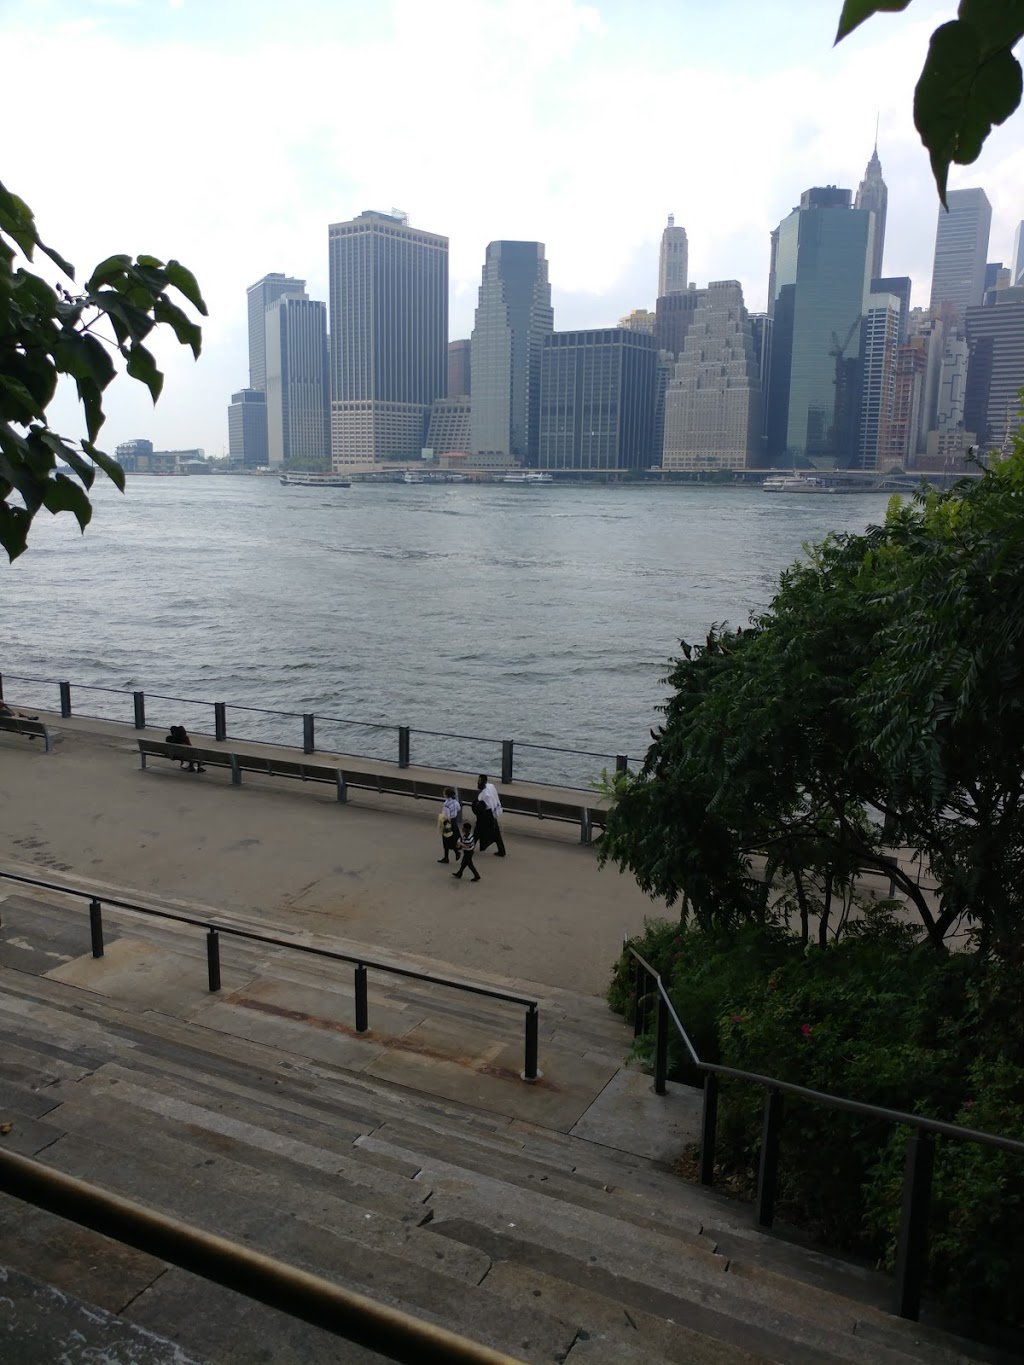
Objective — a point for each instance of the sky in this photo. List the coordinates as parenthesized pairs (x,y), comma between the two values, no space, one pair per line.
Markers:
(229,134)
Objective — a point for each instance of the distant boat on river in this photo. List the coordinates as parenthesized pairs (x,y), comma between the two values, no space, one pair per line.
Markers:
(527,476)
(314,479)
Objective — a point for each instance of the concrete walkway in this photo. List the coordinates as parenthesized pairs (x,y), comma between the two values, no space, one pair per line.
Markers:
(288,854)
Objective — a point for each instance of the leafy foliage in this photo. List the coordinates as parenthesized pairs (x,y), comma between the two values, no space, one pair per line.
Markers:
(970,82)
(877,705)
(47,332)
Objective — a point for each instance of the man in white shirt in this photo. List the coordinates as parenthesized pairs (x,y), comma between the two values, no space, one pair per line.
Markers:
(487,796)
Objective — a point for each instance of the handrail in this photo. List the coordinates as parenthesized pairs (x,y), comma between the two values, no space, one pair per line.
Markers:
(919,1151)
(389,1331)
(215,927)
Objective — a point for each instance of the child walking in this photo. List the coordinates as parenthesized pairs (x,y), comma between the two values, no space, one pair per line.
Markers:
(466,846)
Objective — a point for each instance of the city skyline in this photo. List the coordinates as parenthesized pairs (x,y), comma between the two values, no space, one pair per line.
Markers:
(241,188)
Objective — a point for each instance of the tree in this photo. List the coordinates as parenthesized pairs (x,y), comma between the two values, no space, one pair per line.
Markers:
(877,704)
(47,332)
(970,82)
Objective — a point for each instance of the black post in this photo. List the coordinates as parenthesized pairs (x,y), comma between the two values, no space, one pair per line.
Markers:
(643,984)
(362,1024)
(308,737)
(403,746)
(65,699)
(621,763)
(768,1170)
(96,928)
(661,1047)
(1,687)
(530,1072)
(709,1128)
(220,721)
(506,761)
(140,710)
(213,958)
(917,1195)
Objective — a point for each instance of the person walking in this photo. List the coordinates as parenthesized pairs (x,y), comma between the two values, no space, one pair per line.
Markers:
(448,823)
(466,846)
(487,797)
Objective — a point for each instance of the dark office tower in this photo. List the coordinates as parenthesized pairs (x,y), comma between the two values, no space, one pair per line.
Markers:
(961,251)
(995,371)
(389,336)
(822,265)
(900,286)
(261,295)
(459,372)
(247,428)
(673,315)
(297,381)
(872,194)
(513,316)
(598,394)
(673,263)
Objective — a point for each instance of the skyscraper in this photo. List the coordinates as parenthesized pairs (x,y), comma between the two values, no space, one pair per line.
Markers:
(1017,260)
(261,295)
(879,345)
(673,263)
(513,316)
(247,428)
(995,335)
(961,251)
(597,400)
(822,262)
(713,402)
(459,369)
(297,381)
(389,335)
(872,194)
(247,415)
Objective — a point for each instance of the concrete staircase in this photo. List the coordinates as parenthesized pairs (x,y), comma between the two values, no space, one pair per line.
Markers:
(525,1235)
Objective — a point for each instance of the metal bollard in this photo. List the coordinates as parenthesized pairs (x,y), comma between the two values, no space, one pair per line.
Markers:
(1,687)
(403,746)
(213,958)
(621,763)
(308,736)
(140,710)
(506,761)
(220,721)
(65,699)
(362,1017)
(96,928)
(708,1129)
(913,1240)
(530,1072)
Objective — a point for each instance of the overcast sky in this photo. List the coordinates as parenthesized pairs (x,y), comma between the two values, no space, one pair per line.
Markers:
(229,133)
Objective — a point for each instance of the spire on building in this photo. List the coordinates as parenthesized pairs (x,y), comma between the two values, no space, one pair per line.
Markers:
(674,261)
(872,194)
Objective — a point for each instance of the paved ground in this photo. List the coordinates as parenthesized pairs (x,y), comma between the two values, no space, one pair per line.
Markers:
(287,853)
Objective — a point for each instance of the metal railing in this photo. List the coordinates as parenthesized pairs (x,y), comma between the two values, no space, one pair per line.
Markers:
(360,962)
(388,1331)
(649,991)
(560,766)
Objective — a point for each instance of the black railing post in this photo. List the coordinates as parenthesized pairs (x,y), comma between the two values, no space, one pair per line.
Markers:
(506,761)
(308,733)
(768,1168)
(640,1012)
(1,687)
(621,763)
(65,699)
(661,1046)
(530,1072)
(917,1195)
(403,746)
(96,928)
(213,958)
(362,1018)
(220,721)
(140,710)
(709,1128)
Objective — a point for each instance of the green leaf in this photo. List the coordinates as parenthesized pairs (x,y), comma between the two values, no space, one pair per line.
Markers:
(14,524)
(185,282)
(64,495)
(186,331)
(856,11)
(108,272)
(142,366)
(998,24)
(110,467)
(17,221)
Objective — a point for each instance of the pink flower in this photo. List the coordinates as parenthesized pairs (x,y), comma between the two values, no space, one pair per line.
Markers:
(967,1104)
(737,1018)
(805,1029)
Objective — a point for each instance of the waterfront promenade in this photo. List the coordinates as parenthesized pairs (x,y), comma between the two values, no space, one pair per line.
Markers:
(286,853)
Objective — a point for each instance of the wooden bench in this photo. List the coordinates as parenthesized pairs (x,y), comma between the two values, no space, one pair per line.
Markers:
(34,729)
(384,783)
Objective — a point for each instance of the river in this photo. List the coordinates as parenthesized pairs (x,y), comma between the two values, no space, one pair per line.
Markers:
(547,615)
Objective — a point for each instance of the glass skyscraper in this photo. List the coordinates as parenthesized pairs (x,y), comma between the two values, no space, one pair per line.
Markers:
(513,316)
(598,395)
(297,381)
(822,257)
(961,251)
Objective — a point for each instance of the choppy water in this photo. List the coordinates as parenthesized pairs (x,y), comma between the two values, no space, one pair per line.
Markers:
(543,614)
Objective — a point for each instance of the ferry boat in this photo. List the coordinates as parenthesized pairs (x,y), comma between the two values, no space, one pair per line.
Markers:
(529,476)
(795,483)
(315,479)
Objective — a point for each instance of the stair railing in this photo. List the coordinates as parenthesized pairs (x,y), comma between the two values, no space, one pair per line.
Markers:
(649,994)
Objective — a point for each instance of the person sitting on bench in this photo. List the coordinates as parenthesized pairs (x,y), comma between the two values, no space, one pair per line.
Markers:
(11,714)
(179,735)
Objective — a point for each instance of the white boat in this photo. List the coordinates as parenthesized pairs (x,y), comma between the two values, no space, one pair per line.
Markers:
(796,484)
(297,479)
(530,476)
(411,476)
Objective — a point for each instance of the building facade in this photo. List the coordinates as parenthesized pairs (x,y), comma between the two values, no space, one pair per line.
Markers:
(821,271)
(448,430)
(389,336)
(639,320)
(1017,262)
(900,285)
(260,296)
(598,400)
(872,194)
(674,260)
(298,389)
(879,347)
(961,251)
(995,376)
(247,428)
(713,406)
(899,440)
(513,318)
(459,369)
(672,318)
